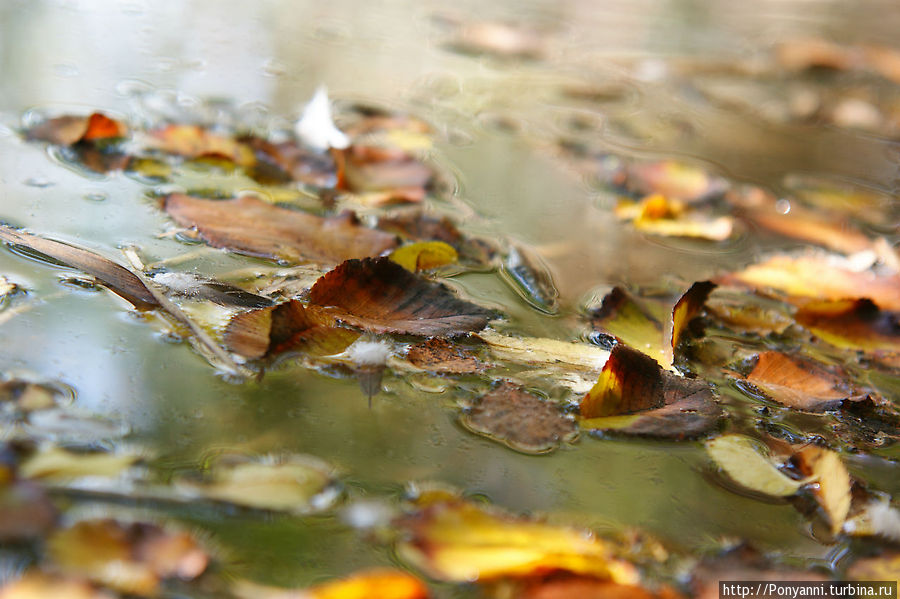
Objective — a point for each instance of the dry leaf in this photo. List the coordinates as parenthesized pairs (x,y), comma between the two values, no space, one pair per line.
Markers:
(289,326)
(658,215)
(69,130)
(852,324)
(828,230)
(371,168)
(687,307)
(460,542)
(674,180)
(379,295)
(832,491)
(193,141)
(132,558)
(119,279)
(441,355)
(61,465)
(662,404)
(424,255)
(253,227)
(519,420)
(801,385)
(542,351)
(745,461)
(417,226)
(631,323)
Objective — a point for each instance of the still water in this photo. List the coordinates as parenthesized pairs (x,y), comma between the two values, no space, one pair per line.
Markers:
(498,122)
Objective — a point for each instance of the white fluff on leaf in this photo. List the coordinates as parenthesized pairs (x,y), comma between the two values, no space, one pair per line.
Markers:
(369,353)
(316,128)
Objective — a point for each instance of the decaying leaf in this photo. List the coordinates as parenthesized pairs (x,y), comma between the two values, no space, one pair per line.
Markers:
(289,326)
(418,226)
(687,307)
(852,324)
(631,323)
(61,465)
(672,180)
(796,384)
(459,541)
(132,558)
(520,420)
(820,277)
(832,490)
(282,162)
(543,351)
(119,279)
(424,255)
(658,215)
(378,295)
(745,461)
(531,278)
(369,584)
(662,404)
(195,287)
(35,585)
(69,130)
(193,141)
(296,484)
(254,227)
(441,355)
(371,168)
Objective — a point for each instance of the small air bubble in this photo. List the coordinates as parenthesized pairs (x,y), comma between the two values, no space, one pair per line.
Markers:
(38,182)
(783,206)
(96,196)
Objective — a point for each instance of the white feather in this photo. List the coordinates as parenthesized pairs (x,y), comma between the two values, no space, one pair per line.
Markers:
(316,128)
(369,353)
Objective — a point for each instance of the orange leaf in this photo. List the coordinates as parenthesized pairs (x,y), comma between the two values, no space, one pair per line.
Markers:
(687,307)
(253,227)
(797,385)
(100,126)
(69,130)
(378,295)
(854,324)
(380,584)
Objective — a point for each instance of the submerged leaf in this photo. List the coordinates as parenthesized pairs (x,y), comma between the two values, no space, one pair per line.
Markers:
(195,287)
(379,295)
(832,491)
(520,420)
(371,168)
(458,541)
(286,327)
(658,215)
(424,255)
(132,558)
(253,227)
(798,385)
(441,355)
(532,279)
(119,279)
(663,403)
(742,459)
(60,465)
(541,351)
(193,141)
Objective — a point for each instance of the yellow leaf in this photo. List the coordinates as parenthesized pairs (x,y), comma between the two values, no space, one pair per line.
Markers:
(539,350)
(424,255)
(743,460)
(58,464)
(833,492)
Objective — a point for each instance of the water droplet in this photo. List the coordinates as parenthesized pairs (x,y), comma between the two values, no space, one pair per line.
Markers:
(39,182)
(96,196)
(783,206)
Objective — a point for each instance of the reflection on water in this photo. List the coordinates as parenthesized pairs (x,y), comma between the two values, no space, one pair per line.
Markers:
(154,60)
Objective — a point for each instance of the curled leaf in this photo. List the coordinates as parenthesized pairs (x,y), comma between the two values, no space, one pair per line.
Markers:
(69,130)
(132,558)
(832,491)
(520,420)
(253,227)
(379,295)
(744,461)
(270,331)
(852,324)
(687,307)
(798,385)
(459,541)
(424,255)
(532,279)
(119,279)
(663,404)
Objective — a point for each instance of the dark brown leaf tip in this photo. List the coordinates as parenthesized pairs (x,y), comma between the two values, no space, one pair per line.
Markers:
(378,295)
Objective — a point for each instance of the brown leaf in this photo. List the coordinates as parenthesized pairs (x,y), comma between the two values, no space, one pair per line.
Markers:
(742,563)
(378,295)
(663,404)
(807,53)
(441,355)
(119,279)
(803,385)
(193,141)
(132,558)
(69,130)
(687,307)
(290,161)
(253,227)
(371,168)
(519,420)
(832,491)
(418,226)
(25,510)
(852,324)
(286,327)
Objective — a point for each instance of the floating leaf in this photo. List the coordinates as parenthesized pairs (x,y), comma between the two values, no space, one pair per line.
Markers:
(745,462)
(885,566)
(193,141)
(370,584)
(371,168)
(379,295)
(253,227)
(687,307)
(132,558)
(542,351)
(658,215)
(801,385)
(663,404)
(674,180)
(632,324)
(532,279)
(286,327)
(119,279)
(582,587)
(417,226)
(60,465)
(194,287)
(461,542)
(36,585)
(69,130)
(852,324)
(820,277)
(296,484)
(282,162)
(424,255)
(832,491)
(520,420)
(441,355)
